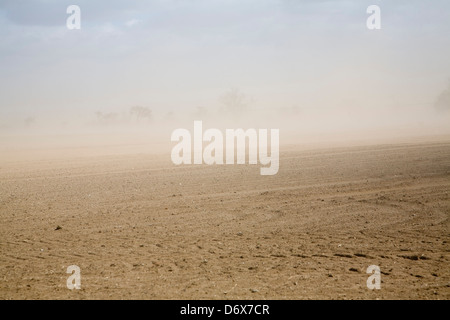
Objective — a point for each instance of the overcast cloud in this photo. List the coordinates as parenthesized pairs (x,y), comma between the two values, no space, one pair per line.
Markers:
(178,55)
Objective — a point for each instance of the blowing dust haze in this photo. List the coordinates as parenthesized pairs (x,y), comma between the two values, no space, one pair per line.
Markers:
(310,68)
(224,150)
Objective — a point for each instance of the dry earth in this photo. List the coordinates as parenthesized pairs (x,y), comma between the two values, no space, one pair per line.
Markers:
(141,228)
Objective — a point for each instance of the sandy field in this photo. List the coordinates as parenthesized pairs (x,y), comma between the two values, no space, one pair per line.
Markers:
(140,227)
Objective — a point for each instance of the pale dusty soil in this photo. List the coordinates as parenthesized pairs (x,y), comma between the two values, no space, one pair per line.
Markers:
(141,228)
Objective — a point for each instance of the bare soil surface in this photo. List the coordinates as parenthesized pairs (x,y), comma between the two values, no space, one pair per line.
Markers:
(140,227)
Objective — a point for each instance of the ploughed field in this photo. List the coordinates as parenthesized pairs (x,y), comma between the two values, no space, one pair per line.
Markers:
(140,227)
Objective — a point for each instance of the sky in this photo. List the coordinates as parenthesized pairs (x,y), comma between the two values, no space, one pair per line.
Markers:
(314,64)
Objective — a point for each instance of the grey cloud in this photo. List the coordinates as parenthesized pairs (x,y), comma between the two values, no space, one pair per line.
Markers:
(53,12)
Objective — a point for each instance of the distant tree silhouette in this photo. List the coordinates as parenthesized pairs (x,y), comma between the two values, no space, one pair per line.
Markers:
(234,102)
(141,113)
(29,121)
(443,100)
(106,117)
